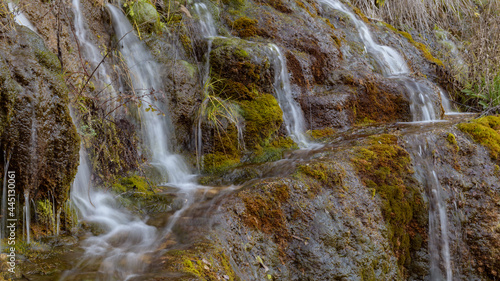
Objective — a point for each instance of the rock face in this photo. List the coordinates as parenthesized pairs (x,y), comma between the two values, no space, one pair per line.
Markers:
(37,132)
(356,210)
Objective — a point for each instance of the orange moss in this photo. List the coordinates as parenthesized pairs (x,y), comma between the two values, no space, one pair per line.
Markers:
(385,167)
(264,209)
(378,105)
(245,27)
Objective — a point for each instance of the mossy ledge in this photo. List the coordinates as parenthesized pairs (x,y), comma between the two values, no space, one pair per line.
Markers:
(420,46)
(385,168)
(486,131)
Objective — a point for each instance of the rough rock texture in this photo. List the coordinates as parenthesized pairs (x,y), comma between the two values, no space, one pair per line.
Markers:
(37,130)
(355,210)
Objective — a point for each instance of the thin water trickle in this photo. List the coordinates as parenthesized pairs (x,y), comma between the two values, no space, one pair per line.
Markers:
(439,237)
(438,232)
(292,113)
(394,66)
(19,16)
(208,30)
(27,215)
(157,131)
(93,54)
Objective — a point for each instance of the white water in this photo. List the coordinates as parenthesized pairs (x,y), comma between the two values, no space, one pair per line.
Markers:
(125,239)
(207,27)
(92,53)
(438,233)
(292,113)
(393,65)
(447,106)
(145,79)
(4,199)
(390,60)
(19,17)
(27,215)
(206,21)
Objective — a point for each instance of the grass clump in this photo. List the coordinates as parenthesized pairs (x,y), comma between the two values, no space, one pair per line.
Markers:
(385,167)
(486,131)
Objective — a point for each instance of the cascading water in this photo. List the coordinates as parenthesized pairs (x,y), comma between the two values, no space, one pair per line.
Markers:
(19,17)
(292,113)
(393,65)
(27,215)
(438,230)
(439,240)
(126,239)
(206,21)
(92,53)
(145,80)
(391,61)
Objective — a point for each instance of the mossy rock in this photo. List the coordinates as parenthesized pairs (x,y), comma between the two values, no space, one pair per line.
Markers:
(385,168)
(34,111)
(486,131)
(144,15)
(243,68)
(263,118)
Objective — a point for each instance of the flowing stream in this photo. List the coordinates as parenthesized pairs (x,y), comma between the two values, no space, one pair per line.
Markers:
(92,53)
(394,65)
(19,16)
(126,241)
(292,113)
(439,236)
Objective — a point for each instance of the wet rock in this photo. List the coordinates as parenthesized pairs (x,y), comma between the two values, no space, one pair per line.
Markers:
(38,134)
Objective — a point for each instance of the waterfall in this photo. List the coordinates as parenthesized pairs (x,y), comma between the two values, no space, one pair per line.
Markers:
(19,17)
(145,80)
(292,113)
(27,215)
(4,197)
(208,30)
(126,239)
(92,53)
(205,20)
(438,232)
(440,264)
(393,65)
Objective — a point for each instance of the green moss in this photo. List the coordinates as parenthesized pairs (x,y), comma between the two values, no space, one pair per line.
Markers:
(273,151)
(216,163)
(144,16)
(360,14)
(202,260)
(485,131)
(245,27)
(186,43)
(242,53)
(422,47)
(235,4)
(386,167)
(451,139)
(263,118)
(137,184)
(322,133)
